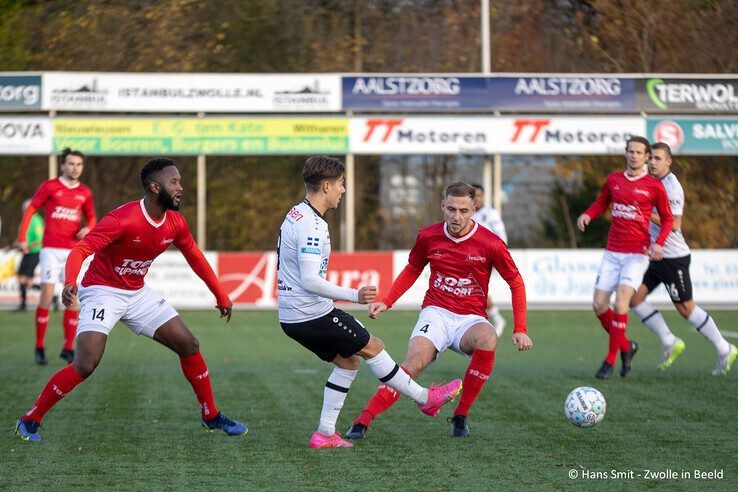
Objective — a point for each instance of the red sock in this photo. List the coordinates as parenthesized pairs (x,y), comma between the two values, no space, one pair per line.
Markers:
(196,372)
(59,385)
(477,373)
(618,340)
(382,399)
(42,321)
(606,319)
(623,320)
(71,317)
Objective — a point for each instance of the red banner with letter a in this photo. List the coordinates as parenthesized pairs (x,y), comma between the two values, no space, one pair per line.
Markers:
(250,279)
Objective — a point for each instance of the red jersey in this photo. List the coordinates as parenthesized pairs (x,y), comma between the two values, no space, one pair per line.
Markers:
(633,199)
(127,241)
(460,269)
(64,205)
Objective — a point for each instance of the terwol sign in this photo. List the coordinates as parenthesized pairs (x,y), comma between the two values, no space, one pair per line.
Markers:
(688,95)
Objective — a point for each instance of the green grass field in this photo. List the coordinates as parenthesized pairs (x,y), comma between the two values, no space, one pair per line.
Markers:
(135,423)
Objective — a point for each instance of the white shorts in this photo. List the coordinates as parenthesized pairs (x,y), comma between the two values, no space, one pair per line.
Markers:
(142,310)
(621,269)
(52,261)
(445,329)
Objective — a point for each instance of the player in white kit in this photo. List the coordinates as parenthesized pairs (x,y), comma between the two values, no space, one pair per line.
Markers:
(306,312)
(490,218)
(673,272)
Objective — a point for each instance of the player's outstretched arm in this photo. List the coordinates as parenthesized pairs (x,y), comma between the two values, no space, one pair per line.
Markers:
(225,312)
(69,294)
(202,269)
(367,294)
(583,221)
(597,208)
(376,308)
(25,223)
(522,340)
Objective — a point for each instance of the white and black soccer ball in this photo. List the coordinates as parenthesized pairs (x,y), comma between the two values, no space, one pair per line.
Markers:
(585,407)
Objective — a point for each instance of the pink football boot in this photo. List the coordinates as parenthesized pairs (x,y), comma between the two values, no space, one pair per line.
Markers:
(333,441)
(438,396)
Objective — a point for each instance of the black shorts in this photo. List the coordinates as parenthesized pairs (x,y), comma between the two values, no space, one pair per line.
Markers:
(674,274)
(336,333)
(28,264)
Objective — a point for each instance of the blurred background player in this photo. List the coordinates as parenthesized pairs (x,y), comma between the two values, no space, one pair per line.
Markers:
(30,257)
(492,220)
(306,312)
(125,243)
(462,256)
(633,195)
(673,272)
(65,200)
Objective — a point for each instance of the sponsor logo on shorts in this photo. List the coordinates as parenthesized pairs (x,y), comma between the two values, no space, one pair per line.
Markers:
(310,251)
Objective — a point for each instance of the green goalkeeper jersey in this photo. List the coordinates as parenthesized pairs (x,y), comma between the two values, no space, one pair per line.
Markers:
(35,234)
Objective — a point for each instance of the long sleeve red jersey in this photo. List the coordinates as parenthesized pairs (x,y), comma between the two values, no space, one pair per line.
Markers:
(127,241)
(633,198)
(64,204)
(460,268)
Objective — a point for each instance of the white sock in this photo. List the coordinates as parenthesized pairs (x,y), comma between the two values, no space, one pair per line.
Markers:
(655,322)
(706,326)
(387,371)
(334,394)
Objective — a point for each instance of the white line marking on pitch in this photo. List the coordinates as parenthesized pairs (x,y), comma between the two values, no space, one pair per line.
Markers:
(733,334)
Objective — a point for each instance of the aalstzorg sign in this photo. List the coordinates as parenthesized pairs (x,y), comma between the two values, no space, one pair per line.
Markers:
(20,92)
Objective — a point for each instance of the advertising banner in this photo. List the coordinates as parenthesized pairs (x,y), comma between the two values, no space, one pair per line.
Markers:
(25,135)
(174,280)
(563,93)
(691,95)
(562,278)
(184,92)
(251,278)
(486,135)
(416,93)
(193,136)
(554,278)
(20,92)
(696,136)
(421,135)
(596,135)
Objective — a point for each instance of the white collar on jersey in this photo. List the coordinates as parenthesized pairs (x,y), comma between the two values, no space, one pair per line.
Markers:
(634,178)
(68,183)
(459,239)
(148,217)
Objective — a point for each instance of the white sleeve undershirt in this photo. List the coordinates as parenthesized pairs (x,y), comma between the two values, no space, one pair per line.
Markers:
(312,282)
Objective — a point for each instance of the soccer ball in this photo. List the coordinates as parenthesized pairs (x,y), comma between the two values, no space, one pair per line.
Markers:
(585,407)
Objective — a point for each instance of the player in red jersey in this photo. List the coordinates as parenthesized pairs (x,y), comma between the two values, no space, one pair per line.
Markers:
(125,243)
(633,195)
(461,255)
(65,200)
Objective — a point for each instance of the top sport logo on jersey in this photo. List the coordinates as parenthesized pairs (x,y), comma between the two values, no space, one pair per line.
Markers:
(65,213)
(133,267)
(457,286)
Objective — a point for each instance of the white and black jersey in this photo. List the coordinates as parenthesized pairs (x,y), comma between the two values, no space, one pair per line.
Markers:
(303,251)
(675,246)
(491,219)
